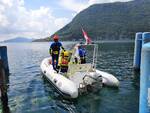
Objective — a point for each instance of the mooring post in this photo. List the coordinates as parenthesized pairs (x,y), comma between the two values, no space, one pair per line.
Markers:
(137,51)
(144,106)
(4,58)
(4,73)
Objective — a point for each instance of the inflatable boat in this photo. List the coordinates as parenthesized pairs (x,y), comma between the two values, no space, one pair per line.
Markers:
(79,78)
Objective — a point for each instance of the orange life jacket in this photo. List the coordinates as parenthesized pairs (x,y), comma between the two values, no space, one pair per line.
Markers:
(64,61)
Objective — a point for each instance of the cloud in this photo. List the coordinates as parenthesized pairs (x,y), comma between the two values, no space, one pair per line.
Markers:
(73,5)
(77,6)
(60,22)
(105,1)
(16,20)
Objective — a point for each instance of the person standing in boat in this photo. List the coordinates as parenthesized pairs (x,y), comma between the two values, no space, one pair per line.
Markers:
(64,61)
(55,50)
(82,54)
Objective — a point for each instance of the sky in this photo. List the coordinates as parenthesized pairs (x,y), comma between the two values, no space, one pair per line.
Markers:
(39,18)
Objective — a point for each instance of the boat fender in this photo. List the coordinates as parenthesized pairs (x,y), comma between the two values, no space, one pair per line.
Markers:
(94,75)
(99,78)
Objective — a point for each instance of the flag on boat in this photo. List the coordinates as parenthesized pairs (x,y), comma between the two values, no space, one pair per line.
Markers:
(87,38)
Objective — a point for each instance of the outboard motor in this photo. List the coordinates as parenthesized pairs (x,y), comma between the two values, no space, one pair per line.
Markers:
(92,82)
(96,85)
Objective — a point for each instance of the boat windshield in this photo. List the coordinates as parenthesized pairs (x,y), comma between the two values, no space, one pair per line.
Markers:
(89,52)
(89,57)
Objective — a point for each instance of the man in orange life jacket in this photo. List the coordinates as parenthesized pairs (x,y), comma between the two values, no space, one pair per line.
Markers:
(54,51)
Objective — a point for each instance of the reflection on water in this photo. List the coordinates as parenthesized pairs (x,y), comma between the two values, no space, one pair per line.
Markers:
(30,93)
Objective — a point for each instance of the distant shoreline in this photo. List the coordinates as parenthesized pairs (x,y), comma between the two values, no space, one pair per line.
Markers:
(100,41)
(115,41)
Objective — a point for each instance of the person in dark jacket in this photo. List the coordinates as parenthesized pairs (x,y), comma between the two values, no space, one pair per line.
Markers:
(55,50)
(82,54)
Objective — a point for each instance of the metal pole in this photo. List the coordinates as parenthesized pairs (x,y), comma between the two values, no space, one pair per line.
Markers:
(95,55)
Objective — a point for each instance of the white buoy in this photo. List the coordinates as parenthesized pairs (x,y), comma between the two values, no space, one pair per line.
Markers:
(137,51)
(144,106)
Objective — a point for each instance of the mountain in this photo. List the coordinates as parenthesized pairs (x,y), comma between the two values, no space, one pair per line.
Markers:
(109,21)
(19,39)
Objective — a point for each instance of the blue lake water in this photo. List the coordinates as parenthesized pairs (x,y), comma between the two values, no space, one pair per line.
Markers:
(29,92)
